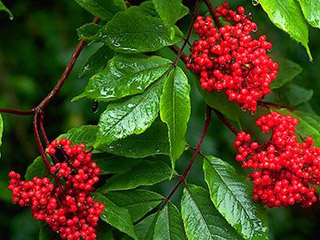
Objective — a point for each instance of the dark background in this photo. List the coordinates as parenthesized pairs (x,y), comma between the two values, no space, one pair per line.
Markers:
(34,49)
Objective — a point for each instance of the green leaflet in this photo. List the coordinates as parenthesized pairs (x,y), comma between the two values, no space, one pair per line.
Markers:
(287,71)
(110,164)
(101,8)
(88,31)
(132,32)
(4,8)
(125,76)
(85,134)
(117,217)
(153,141)
(36,169)
(231,194)
(146,173)
(130,116)
(138,201)
(175,109)
(294,95)
(287,15)
(309,124)
(96,61)
(201,220)
(311,11)
(169,224)
(169,11)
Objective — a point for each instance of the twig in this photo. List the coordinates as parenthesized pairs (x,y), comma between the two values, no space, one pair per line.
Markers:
(225,121)
(210,7)
(277,105)
(17,112)
(196,153)
(186,40)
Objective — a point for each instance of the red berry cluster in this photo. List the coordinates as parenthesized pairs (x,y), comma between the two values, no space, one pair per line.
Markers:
(285,169)
(227,58)
(68,208)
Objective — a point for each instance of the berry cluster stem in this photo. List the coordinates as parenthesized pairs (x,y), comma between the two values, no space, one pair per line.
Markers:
(225,121)
(210,7)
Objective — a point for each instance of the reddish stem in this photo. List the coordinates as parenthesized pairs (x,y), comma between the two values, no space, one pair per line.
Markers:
(211,9)
(186,40)
(270,104)
(17,112)
(66,72)
(194,156)
(225,121)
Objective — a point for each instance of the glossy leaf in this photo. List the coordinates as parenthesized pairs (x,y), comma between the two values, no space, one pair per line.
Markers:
(117,217)
(36,169)
(169,11)
(110,164)
(311,11)
(85,134)
(131,31)
(201,220)
(287,71)
(1,131)
(101,8)
(219,101)
(138,201)
(295,95)
(46,233)
(287,15)
(145,173)
(309,124)
(4,8)
(88,31)
(175,109)
(125,75)
(96,61)
(145,229)
(169,224)
(231,194)
(153,141)
(131,116)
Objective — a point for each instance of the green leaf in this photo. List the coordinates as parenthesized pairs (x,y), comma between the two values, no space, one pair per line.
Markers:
(153,141)
(1,131)
(96,61)
(169,224)
(295,95)
(36,169)
(130,116)
(117,217)
(132,32)
(311,11)
(111,164)
(309,124)
(287,15)
(145,229)
(88,31)
(231,194)
(146,173)
(287,71)
(4,8)
(175,109)
(138,201)
(102,8)
(125,76)
(85,134)
(46,233)
(201,220)
(169,11)
(220,102)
